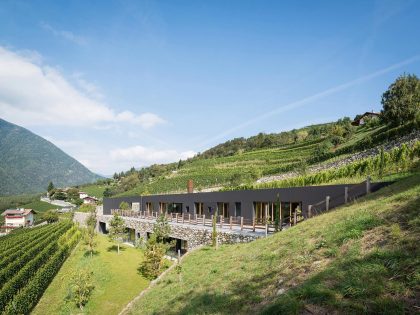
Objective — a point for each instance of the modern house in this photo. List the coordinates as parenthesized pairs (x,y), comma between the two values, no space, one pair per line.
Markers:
(15,218)
(361,120)
(258,204)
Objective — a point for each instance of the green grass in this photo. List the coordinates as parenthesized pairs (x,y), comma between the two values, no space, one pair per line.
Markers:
(94,190)
(360,258)
(115,277)
(40,206)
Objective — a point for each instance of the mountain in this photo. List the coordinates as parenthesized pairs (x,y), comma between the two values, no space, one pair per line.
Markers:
(29,162)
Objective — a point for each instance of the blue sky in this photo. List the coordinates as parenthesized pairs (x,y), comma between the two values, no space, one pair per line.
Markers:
(130,83)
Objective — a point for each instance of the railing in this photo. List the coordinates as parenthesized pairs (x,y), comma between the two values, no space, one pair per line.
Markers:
(231,223)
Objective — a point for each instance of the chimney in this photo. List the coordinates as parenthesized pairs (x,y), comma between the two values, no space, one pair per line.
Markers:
(190,186)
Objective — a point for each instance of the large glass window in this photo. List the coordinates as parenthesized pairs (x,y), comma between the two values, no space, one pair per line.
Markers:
(223,208)
(199,208)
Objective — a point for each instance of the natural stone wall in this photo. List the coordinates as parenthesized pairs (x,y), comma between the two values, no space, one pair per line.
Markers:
(80,218)
(194,235)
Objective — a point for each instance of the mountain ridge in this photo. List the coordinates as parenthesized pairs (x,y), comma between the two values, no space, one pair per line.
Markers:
(29,162)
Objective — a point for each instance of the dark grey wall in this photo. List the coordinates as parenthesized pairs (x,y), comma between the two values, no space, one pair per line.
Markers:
(308,195)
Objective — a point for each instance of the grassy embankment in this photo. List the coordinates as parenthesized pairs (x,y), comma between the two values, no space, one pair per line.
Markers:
(115,277)
(360,258)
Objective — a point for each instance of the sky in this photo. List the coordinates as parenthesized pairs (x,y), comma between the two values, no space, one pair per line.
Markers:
(117,84)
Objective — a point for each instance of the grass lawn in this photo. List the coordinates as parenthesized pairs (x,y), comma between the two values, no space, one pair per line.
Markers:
(362,258)
(115,277)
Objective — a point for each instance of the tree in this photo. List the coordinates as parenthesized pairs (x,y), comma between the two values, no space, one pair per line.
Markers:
(161,228)
(107,192)
(81,287)
(154,253)
(73,194)
(116,230)
(50,216)
(90,232)
(401,102)
(124,205)
(156,248)
(60,195)
(50,186)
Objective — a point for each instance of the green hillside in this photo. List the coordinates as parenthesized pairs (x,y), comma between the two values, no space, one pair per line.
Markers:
(240,162)
(28,163)
(360,258)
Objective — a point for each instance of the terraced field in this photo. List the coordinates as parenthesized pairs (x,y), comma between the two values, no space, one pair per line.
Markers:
(217,172)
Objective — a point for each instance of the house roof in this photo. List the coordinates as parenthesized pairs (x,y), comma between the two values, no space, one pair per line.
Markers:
(18,211)
(91,198)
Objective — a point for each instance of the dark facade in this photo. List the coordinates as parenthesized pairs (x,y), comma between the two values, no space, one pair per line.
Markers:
(246,203)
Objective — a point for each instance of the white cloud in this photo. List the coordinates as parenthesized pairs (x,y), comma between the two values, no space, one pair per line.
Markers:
(36,94)
(67,35)
(140,155)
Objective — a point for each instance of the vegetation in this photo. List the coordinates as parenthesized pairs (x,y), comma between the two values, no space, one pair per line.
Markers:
(155,249)
(360,258)
(27,270)
(401,102)
(29,163)
(116,281)
(90,232)
(399,159)
(50,216)
(81,287)
(117,230)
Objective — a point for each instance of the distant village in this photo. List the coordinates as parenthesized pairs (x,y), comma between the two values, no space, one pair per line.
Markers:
(65,200)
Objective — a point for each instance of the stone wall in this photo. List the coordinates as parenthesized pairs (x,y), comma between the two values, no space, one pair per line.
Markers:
(80,218)
(194,235)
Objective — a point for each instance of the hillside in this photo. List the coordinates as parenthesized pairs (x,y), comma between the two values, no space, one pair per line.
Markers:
(360,258)
(28,163)
(265,158)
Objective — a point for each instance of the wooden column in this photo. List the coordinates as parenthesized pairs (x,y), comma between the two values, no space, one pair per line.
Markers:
(204,219)
(327,203)
(309,211)
(242,223)
(346,194)
(230,222)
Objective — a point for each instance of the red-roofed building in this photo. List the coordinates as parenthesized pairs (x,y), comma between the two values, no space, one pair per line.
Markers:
(15,218)
(90,200)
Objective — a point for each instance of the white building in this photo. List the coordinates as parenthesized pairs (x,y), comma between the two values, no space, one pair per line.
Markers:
(82,195)
(90,200)
(18,217)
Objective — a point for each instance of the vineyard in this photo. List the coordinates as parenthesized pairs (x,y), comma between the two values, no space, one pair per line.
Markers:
(29,260)
(244,168)
(397,160)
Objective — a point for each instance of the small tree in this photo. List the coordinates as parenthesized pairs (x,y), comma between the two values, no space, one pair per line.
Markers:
(401,102)
(156,248)
(81,287)
(381,162)
(116,230)
(90,232)
(161,228)
(50,187)
(50,216)
(124,206)
(107,192)
(154,253)
(86,207)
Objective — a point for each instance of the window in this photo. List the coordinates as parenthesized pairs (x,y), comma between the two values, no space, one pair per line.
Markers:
(149,206)
(223,208)
(187,208)
(238,209)
(199,208)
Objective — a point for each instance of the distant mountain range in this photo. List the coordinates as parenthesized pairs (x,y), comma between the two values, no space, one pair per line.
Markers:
(29,162)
